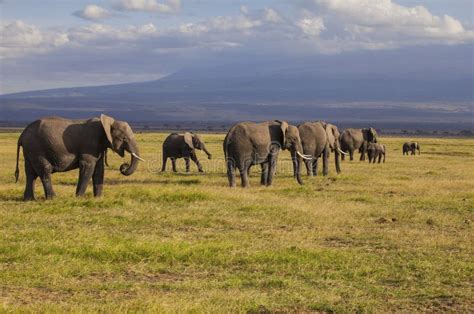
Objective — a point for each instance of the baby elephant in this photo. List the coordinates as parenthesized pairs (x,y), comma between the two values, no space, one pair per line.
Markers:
(376,150)
(411,147)
(183,146)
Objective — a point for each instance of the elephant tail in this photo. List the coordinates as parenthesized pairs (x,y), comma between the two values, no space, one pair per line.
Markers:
(17,170)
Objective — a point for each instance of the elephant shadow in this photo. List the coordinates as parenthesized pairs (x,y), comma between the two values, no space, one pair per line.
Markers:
(151,181)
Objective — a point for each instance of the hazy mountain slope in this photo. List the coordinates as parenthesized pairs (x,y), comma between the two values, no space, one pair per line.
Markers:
(361,86)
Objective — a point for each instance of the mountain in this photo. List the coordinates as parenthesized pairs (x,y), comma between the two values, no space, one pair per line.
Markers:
(369,86)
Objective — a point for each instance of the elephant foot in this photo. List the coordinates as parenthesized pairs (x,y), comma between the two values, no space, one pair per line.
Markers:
(200,170)
(29,198)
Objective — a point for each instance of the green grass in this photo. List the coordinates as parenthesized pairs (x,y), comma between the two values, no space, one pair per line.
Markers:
(384,237)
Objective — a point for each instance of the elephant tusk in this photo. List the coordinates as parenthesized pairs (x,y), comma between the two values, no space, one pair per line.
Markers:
(138,157)
(342,152)
(307,157)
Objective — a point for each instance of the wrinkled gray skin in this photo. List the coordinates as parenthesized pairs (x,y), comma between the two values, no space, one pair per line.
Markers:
(357,139)
(248,143)
(55,144)
(318,140)
(183,146)
(411,147)
(376,150)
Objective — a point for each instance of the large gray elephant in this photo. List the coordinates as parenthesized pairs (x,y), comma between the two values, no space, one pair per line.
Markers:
(248,143)
(357,139)
(376,150)
(183,146)
(319,139)
(411,147)
(55,144)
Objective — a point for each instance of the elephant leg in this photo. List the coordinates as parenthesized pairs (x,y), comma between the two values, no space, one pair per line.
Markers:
(98,178)
(309,167)
(314,168)
(196,161)
(244,177)
(45,177)
(173,163)
(272,163)
(380,158)
(186,161)
(86,169)
(351,154)
(163,167)
(29,194)
(264,176)
(231,172)
(326,162)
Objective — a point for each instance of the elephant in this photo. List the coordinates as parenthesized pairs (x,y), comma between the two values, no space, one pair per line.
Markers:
(319,139)
(376,150)
(353,139)
(183,146)
(55,144)
(250,143)
(411,147)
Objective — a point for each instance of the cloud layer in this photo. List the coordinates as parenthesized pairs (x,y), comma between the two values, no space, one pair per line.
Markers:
(318,26)
(324,26)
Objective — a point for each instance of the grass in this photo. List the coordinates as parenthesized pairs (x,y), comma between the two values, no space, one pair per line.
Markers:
(384,237)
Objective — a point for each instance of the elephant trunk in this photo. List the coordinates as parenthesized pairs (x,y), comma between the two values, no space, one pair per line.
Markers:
(297,160)
(209,155)
(127,169)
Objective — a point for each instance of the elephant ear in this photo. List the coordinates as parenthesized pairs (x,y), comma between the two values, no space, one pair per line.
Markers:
(107,123)
(373,135)
(188,139)
(330,135)
(284,127)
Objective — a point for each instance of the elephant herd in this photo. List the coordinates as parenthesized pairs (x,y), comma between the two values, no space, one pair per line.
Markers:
(55,144)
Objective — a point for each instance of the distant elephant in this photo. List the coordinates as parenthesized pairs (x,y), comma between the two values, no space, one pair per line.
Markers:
(357,139)
(376,150)
(411,147)
(183,146)
(319,139)
(249,143)
(55,144)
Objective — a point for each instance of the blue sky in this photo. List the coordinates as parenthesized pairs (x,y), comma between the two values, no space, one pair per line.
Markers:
(59,43)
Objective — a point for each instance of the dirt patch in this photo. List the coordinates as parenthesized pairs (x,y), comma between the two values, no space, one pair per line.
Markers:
(29,295)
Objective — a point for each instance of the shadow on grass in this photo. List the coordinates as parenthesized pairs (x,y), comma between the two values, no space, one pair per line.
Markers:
(138,182)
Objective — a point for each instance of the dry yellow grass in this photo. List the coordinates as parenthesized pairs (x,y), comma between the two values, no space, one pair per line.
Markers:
(384,237)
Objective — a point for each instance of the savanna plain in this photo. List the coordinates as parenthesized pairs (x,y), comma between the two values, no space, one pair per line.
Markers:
(376,238)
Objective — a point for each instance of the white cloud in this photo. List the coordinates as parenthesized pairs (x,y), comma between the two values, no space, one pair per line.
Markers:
(19,39)
(311,26)
(167,6)
(386,19)
(222,24)
(244,9)
(271,15)
(93,12)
